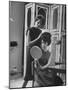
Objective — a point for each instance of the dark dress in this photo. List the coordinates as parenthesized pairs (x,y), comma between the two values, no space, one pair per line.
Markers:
(44,77)
(34,33)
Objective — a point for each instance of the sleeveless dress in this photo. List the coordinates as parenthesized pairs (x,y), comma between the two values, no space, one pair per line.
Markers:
(43,77)
(34,33)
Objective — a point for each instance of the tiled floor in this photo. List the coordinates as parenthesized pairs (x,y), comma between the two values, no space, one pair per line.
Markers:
(29,84)
(18,83)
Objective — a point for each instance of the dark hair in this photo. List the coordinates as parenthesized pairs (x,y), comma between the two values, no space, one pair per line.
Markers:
(46,37)
(58,81)
(42,20)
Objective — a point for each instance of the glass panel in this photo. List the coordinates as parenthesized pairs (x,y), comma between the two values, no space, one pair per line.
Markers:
(55,18)
(53,58)
(29,18)
(42,11)
(64,50)
(65,18)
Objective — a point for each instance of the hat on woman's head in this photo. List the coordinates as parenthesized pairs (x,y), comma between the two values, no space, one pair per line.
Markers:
(41,18)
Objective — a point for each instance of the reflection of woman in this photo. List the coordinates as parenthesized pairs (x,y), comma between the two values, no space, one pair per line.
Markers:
(41,73)
(44,76)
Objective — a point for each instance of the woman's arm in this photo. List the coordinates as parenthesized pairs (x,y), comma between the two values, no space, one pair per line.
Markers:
(31,42)
(45,66)
(33,31)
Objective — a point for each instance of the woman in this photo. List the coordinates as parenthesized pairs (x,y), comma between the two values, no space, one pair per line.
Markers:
(32,35)
(33,38)
(43,76)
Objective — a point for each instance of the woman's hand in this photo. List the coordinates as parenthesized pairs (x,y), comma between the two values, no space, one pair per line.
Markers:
(40,66)
(35,63)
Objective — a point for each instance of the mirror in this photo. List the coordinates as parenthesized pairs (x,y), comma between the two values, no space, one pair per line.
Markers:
(36,52)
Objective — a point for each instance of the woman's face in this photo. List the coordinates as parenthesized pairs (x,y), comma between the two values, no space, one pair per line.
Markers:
(44,45)
(37,23)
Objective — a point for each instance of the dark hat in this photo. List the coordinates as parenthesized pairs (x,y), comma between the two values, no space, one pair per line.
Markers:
(41,18)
